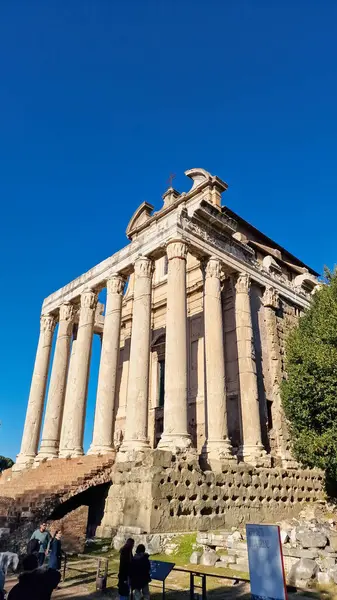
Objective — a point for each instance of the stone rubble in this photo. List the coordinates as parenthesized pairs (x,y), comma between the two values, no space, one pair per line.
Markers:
(308,545)
(156,543)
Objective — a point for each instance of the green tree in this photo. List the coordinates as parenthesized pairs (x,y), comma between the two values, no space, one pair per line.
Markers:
(5,463)
(309,393)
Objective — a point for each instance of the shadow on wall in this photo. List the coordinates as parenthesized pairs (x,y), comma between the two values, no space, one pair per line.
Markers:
(79,517)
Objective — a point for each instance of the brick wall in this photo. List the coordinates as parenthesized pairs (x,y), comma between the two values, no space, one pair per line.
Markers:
(73,527)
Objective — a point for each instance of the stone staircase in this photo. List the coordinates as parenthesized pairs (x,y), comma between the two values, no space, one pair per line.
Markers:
(51,482)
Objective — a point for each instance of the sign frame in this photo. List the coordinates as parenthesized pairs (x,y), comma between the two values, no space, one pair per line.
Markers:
(170,566)
(266,565)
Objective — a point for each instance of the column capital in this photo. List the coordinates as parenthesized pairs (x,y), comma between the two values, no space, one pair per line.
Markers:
(89,299)
(115,284)
(66,311)
(47,322)
(242,284)
(213,267)
(176,249)
(271,298)
(143,267)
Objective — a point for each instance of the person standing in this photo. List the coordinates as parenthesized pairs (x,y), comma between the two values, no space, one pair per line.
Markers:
(140,574)
(124,569)
(43,536)
(55,551)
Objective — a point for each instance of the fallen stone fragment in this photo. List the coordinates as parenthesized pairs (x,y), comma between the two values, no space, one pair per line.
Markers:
(209,558)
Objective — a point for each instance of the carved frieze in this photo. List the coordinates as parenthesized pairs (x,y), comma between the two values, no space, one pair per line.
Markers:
(219,241)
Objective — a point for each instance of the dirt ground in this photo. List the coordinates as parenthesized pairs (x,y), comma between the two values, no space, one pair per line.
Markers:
(81,574)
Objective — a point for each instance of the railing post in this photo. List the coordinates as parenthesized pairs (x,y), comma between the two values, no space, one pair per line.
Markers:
(203,584)
(191,586)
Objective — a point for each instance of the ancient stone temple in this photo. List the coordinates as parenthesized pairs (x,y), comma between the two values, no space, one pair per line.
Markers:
(198,306)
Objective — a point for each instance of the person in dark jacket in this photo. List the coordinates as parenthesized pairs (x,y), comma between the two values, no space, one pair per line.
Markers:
(140,573)
(55,551)
(34,583)
(124,569)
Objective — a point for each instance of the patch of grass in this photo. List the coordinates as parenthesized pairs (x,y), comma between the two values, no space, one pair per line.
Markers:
(185,546)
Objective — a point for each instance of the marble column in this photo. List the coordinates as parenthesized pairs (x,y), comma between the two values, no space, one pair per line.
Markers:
(218,445)
(279,435)
(251,450)
(136,426)
(32,427)
(57,387)
(76,393)
(103,426)
(175,435)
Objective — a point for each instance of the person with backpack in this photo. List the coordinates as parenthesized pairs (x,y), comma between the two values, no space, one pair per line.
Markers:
(39,543)
(140,574)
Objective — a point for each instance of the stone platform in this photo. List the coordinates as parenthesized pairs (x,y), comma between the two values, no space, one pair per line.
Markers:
(156,492)
(160,492)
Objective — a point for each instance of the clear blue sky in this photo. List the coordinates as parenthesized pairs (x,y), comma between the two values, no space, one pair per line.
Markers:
(100,100)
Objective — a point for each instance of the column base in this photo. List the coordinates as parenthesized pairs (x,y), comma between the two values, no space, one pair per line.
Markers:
(71,453)
(133,451)
(218,453)
(23,461)
(48,451)
(255,455)
(103,449)
(134,445)
(175,443)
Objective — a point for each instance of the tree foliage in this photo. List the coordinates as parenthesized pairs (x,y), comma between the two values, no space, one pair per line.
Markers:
(5,463)
(309,393)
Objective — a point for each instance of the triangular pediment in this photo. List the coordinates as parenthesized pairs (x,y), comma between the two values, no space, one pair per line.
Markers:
(139,217)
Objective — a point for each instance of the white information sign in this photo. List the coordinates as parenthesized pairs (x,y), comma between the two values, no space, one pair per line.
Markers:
(266,569)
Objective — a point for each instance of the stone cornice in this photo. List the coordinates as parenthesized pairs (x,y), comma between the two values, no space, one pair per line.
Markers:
(202,240)
(237,261)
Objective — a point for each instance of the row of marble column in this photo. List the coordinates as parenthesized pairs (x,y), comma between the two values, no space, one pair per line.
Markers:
(63,428)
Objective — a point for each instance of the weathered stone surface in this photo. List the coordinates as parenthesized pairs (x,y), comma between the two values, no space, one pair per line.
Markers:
(209,558)
(284,535)
(299,552)
(333,574)
(289,562)
(195,558)
(327,563)
(311,539)
(333,541)
(304,570)
(233,538)
(323,578)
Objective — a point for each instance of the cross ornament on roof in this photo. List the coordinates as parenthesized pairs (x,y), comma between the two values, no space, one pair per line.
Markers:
(170,179)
